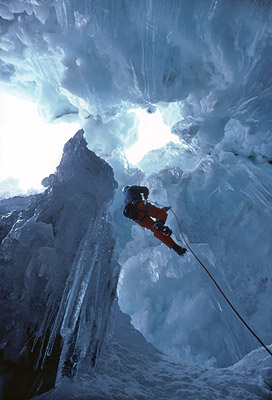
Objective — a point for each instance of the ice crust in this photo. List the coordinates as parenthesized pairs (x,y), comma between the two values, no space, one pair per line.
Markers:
(222,207)
(206,65)
(131,368)
(59,273)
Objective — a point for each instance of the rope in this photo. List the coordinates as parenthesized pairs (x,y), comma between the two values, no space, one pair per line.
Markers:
(220,290)
(218,287)
(138,176)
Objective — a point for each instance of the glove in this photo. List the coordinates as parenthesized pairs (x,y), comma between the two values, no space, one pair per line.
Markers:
(146,194)
(158,225)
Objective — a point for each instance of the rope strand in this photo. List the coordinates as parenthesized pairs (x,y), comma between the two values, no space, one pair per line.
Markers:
(138,176)
(216,284)
(221,291)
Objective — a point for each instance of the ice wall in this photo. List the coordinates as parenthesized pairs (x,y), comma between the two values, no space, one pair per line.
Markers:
(206,65)
(131,368)
(58,274)
(224,209)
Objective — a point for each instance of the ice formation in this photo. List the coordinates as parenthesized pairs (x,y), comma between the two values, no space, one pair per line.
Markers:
(205,65)
(58,279)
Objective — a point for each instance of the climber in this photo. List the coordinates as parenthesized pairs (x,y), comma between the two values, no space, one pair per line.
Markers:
(142,212)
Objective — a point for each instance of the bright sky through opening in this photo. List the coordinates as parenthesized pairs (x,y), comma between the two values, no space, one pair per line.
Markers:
(153,134)
(30,148)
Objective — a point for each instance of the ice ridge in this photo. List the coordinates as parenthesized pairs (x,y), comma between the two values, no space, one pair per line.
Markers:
(59,274)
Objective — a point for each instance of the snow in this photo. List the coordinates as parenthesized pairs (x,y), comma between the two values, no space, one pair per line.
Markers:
(131,368)
(206,67)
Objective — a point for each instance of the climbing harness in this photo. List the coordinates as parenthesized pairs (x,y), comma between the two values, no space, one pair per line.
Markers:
(132,211)
(145,212)
(216,284)
(159,226)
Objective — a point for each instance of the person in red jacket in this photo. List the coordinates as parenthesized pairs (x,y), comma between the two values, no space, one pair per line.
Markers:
(142,212)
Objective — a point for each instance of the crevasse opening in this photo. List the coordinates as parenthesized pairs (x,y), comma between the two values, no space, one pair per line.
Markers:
(153,134)
(31,149)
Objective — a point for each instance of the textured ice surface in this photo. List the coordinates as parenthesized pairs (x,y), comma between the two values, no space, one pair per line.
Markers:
(131,368)
(58,273)
(224,209)
(207,66)
(98,57)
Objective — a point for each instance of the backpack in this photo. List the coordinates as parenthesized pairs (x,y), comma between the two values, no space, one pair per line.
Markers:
(131,211)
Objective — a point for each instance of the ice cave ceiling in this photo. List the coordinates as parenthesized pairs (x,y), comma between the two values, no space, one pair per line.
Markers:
(100,58)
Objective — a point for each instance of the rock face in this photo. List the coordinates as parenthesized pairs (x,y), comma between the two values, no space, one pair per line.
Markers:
(58,274)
